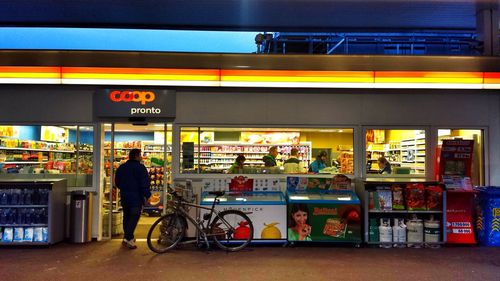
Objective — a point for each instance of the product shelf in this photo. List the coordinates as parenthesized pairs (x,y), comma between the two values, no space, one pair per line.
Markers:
(372,185)
(24,162)
(37,149)
(403,212)
(25,225)
(404,243)
(24,206)
(24,243)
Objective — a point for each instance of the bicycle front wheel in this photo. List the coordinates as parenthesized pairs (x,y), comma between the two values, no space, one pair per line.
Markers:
(232,230)
(166,232)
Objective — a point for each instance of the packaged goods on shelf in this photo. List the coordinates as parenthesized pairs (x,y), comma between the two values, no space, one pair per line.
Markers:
(397,197)
(415,196)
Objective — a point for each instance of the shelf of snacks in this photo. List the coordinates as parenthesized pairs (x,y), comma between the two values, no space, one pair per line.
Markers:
(224,153)
(403,213)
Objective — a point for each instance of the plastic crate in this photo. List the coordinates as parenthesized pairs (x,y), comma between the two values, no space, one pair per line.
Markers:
(488,216)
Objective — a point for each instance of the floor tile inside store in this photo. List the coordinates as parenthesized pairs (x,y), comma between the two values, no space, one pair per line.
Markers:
(109,261)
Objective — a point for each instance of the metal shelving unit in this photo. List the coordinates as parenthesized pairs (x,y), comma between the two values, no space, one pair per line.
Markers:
(55,208)
(371,185)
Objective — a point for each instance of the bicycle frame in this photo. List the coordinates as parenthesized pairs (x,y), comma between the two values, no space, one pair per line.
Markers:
(200,227)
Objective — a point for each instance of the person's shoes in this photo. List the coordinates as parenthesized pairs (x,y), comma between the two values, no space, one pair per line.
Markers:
(129,244)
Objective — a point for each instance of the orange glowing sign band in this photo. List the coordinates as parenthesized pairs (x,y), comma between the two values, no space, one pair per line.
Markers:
(101,73)
(247,77)
(31,72)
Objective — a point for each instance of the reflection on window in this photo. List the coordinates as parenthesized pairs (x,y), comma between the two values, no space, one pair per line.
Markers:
(34,152)
(477,167)
(395,152)
(266,150)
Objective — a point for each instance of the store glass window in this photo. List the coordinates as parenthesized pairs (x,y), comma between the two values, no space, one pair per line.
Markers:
(476,167)
(266,150)
(395,152)
(47,152)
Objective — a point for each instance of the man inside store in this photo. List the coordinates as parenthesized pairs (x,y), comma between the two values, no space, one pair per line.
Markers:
(132,179)
(292,164)
(270,159)
(318,164)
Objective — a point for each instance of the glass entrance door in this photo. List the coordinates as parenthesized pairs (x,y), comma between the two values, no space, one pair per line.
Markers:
(155,142)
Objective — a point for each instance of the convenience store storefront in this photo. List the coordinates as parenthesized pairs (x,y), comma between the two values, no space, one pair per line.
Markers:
(354,123)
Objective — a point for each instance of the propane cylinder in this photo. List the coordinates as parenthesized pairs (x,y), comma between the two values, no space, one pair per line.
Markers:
(415,235)
(373,230)
(385,231)
(399,233)
(432,232)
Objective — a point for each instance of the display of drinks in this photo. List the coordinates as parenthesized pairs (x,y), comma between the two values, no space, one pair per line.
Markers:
(432,232)
(399,233)
(373,231)
(385,233)
(415,235)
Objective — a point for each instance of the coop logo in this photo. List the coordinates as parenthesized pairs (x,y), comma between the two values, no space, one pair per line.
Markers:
(132,96)
(142,97)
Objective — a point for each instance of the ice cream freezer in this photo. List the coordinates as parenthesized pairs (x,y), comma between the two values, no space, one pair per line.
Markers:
(333,216)
(266,210)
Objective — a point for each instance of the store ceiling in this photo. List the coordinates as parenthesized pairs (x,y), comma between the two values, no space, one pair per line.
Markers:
(251,15)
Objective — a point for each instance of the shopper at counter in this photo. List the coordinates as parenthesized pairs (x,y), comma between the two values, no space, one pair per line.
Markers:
(132,179)
(292,164)
(237,166)
(384,166)
(299,228)
(318,164)
(270,159)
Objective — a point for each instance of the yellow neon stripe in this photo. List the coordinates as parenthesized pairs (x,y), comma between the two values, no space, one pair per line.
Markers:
(139,77)
(29,75)
(297,79)
(428,80)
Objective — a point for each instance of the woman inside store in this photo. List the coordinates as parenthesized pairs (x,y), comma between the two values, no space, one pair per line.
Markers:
(318,164)
(384,166)
(299,228)
(237,166)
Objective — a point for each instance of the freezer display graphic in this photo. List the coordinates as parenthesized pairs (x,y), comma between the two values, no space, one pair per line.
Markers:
(324,222)
(269,221)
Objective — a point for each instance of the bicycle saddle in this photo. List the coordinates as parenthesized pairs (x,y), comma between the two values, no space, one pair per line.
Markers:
(217,193)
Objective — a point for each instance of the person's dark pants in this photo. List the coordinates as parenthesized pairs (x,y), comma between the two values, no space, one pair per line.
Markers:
(131,216)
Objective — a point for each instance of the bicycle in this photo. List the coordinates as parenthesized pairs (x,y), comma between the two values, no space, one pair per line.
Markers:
(167,232)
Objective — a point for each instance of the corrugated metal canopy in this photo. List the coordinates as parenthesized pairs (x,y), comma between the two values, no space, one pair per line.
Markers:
(252,15)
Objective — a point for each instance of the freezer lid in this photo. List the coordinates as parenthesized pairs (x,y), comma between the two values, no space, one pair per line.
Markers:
(339,197)
(246,198)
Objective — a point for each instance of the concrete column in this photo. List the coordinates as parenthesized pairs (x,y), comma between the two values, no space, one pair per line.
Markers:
(487,27)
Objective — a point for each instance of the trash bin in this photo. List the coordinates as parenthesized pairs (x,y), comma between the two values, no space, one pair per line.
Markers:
(488,216)
(81,217)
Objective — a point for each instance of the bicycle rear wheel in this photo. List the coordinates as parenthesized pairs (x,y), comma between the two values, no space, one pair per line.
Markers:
(232,230)
(166,232)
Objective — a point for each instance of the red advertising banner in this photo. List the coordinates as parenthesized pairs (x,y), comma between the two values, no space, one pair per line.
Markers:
(459,210)
(456,158)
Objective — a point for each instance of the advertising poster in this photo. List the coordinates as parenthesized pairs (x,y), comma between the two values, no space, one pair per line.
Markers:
(54,134)
(9,131)
(270,137)
(269,221)
(456,158)
(323,222)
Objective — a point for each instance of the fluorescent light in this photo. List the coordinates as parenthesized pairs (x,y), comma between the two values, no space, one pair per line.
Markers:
(241,199)
(212,199)
(344,198)
(295,197)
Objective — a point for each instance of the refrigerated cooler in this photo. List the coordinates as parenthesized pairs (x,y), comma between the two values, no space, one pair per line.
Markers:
(267,211)
(330,216)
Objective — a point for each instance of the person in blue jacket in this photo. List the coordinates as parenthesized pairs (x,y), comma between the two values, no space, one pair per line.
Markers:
(318,164)
(132,178)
